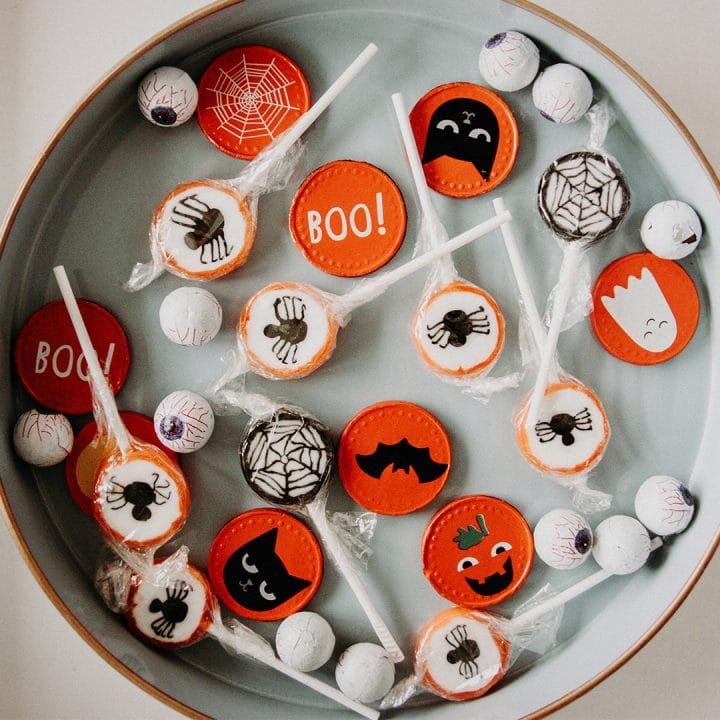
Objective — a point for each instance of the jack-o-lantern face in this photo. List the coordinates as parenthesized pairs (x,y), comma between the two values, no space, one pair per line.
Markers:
(477,551)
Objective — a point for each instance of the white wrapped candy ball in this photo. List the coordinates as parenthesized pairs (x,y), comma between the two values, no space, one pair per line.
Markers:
(509,61)
(190,316)
(622,544)
(184,421)
(563,539)
(664,505)
(305,641)
(365,672)
(167,96)
(562,93)
(671,229)
(42,440)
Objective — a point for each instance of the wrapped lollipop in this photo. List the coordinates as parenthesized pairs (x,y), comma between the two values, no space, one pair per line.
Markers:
(571,432)
(458,328)
(460,654)
(288,330)
(205,228)
(140,497)
(170,605)
(287,459)
(582,197)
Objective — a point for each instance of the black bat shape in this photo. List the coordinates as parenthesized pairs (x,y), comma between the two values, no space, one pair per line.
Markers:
(402,456)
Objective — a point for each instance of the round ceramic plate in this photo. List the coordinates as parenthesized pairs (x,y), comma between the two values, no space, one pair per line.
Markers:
(89,206)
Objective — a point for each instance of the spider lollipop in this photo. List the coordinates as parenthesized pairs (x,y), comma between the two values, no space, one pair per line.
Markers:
(205,229)
(140,497)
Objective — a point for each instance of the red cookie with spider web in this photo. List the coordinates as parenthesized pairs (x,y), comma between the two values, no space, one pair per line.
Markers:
(248,96)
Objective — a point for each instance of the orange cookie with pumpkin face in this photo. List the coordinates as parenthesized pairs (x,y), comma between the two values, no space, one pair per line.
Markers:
(477,551)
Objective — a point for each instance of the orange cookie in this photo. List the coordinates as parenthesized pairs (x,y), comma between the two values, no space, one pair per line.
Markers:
(265,565)
(460,654)
(140,498)
(287,331)
(645,309)
(173,614)
(459,330)
(477,551)
(394,457)
(467,137)
(248,96)
(571,433)
(348,218)
(202,230)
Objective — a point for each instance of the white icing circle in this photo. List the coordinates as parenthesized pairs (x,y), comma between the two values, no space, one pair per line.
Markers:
(287,329)
(664,505)
(305,641)
(184,421)
(42,440)
(170,613)
(167,96)
(155,493)
(563,539)
(571,431)
(365,672)
(562,93)
(671,229)
(461,656)
(190,316)
(466,341)
(622,545)
(217,223)
(509,61)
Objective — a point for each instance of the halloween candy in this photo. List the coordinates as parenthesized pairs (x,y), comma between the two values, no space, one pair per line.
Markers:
(664,505)
(167,96)
(509,61)
(305,641)
(562,93)
(190,316)
(41,439)
(563,539)
(365,672)
(184,421)
(671,229)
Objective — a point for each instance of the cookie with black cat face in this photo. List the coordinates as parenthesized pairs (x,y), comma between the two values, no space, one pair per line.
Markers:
(265,565)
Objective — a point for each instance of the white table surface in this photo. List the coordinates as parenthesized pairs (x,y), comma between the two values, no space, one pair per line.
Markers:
(51,53)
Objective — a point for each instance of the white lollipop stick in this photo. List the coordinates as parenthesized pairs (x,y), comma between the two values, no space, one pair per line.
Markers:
(316,512)
(570,267)
(295,131)
(537,611)
(267,657)
(101,389)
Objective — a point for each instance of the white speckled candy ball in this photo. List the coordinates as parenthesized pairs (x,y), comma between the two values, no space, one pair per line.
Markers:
(664,505)
(563,539)
(671,229)
(365,672)
(622,544)
(509,61)
(167,96)
(42,440)
(184,421)
(305,641)
(190,316)
(562,93)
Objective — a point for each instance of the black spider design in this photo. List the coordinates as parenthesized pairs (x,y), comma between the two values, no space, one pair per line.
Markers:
(457,325)
(207,228)
(140,495)
(173,609)
(563,425)
(291,329)
(464,651)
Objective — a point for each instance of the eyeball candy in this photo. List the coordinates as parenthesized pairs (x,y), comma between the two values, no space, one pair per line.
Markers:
(671,229)
(42,440)
(664,505)
(562,93)
(167,96)
(184,421)
(622,544)
(563,539)
(305,641)
(365,672)
(190,316)
(509,61)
